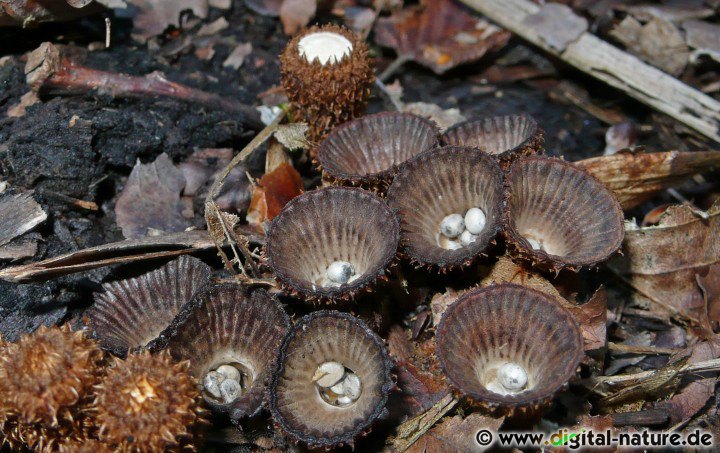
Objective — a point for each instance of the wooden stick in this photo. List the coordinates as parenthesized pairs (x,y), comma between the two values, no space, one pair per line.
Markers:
(605,62)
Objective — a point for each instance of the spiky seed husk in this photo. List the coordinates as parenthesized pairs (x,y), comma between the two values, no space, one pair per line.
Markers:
(331,94)
(147,403)
(46,381)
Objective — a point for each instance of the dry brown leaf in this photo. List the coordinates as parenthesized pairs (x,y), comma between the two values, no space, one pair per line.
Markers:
(710,286)
(201,165)
(439,34)
(658,42)
(663,263)
(592,319)
(154,16)
(419,391)
(636,176)
(457,435)
(273,191)
(444,118)
(296,14)
(128,251)
(151,199)
(693,396)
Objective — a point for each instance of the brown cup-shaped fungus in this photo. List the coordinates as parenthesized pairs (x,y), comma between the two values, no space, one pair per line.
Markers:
(559,216)
(508,346)
(366,151)
(506,137)
(331,379)
(449,201)
(327,75)
(332,243)
(131,314)
(230,336)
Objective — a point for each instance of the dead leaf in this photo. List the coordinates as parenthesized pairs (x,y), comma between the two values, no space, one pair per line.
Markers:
(151,199)
(694,395)
(439,34)
(18,214)
(710,286)
(265,7)
(292,135)
(704,37)
(201,165)
(273,191)
(154,16)
(677,12)
(455,434)
(636,176)
(441,301)
(357,18)
(296,14)
(442,117)
(420,391)
(658,42)
(128,251)
(592,319)
(238,55)
(663,263)
(557,25)
(399,346)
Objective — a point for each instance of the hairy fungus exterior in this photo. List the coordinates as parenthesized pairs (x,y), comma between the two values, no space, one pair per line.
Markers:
(147,403)
(295,402)
(227,324)
(505,137)
(130,314)
(558,216)
(367,151)
(328,92)
(438,183)
(488,328)
(45,382)
(327,225)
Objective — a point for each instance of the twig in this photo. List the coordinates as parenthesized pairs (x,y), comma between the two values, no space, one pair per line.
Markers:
(389,96)
(47,69)
(393,67)
(213,216)
(605,62)
(625,379)
(89,205)
(410,431)
(630,349)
